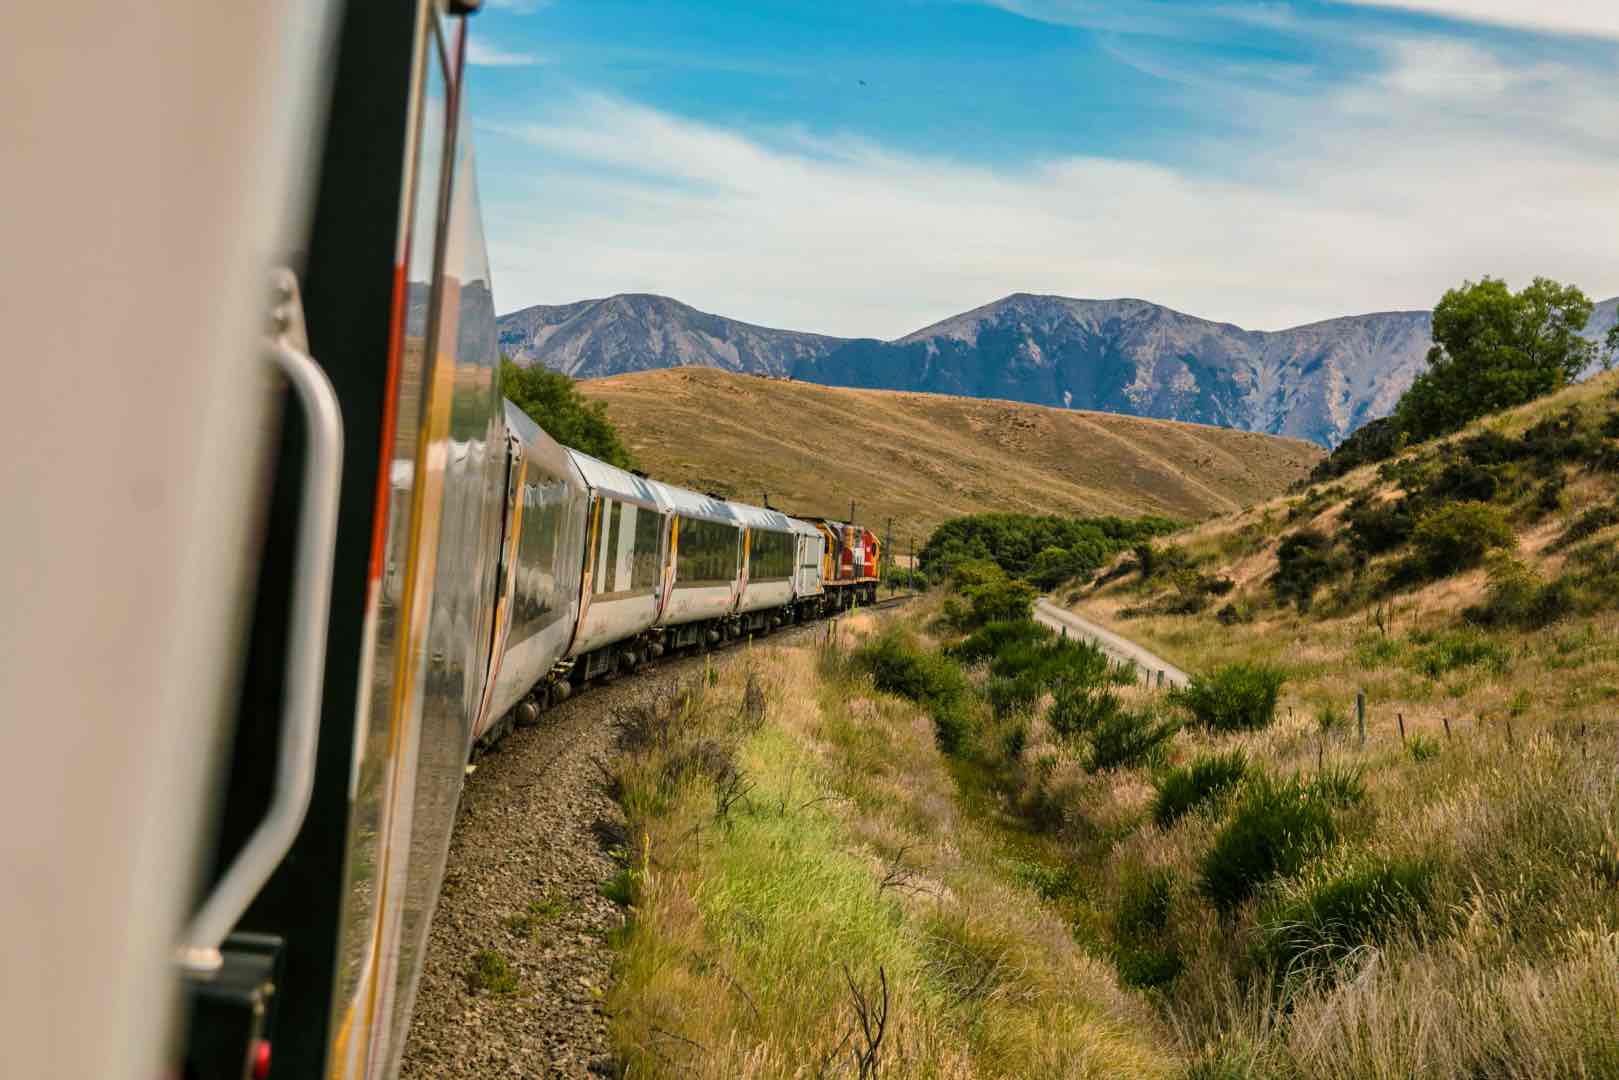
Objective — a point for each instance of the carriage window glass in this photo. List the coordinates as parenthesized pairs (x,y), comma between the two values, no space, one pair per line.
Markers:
(648,532)
(609,562)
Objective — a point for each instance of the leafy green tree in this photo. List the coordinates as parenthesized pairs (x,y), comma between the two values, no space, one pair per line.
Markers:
(1494,349)
(552,401)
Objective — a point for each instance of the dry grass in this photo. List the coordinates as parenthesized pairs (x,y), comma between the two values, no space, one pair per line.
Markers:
(1501,785)
(846,869)
(924,458)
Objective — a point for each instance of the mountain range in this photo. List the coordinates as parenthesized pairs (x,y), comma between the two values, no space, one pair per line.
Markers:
(1317,382)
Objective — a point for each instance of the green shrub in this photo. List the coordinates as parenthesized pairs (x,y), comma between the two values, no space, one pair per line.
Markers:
(491,974)
(1186,787)
(899,665)
(1330,718)
(1339,785)
(1376,527)
(1139,922)
(1422,747)
(993,637)
(1009,695)
(1237,697)
(1127,740)
(1458,536)
(1444,653)
(1337,909)
(1000,601)
(1052,663)
(1276,827)
(1305,561)
(1516,596)
(1077,710)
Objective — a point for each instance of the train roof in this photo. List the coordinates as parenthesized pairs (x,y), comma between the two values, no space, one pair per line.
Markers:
(694,504)
(619,483)
(541,451)
(759,517)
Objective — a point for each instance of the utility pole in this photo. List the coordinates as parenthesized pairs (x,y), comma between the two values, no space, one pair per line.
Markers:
(887,555)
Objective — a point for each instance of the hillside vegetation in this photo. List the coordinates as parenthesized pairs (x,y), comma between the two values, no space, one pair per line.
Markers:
(924,458)
(1440,897)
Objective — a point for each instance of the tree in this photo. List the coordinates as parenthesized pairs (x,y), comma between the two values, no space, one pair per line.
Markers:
(552,401)
(1494,349)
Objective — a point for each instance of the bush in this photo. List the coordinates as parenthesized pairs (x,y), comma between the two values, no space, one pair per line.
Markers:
(1127,740)
(1377,441)
(1001,601)
(1338,909)
(898,665)
(1052,663)
(993,637)
(1516,596)
(1080,709)
(1237,697)
(1276,827)
(1305,561)
(1139,923)
(1376,527)
(1184,788)
(1458,536)
(1444,653)
(1050,547)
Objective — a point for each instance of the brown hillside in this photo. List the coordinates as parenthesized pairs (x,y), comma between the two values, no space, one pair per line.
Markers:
(922,458)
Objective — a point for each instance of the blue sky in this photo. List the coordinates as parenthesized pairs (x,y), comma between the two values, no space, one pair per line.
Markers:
(865,168)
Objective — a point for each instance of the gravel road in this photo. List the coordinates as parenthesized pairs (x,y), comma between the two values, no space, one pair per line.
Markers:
(1120,648)
(534,828)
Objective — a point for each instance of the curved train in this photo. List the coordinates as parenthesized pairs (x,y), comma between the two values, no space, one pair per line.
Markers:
(601,570)
(288,556)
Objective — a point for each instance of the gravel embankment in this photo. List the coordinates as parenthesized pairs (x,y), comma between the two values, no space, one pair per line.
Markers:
(534,828)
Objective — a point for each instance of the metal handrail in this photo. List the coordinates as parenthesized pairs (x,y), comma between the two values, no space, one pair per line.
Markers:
(199,953)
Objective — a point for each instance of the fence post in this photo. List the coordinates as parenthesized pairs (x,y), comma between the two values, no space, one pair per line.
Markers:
(1360,714)
(1400,716)
(1447,727)
(1160,678)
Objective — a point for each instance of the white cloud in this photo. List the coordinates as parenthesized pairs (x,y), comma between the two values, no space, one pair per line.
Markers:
(1443,166)
(1584,17)
(482,54)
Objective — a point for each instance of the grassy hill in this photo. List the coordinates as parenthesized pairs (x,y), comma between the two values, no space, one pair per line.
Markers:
(923,458)
(1459,915)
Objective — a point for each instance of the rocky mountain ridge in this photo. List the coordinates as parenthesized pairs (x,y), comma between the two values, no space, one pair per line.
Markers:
(1317,382)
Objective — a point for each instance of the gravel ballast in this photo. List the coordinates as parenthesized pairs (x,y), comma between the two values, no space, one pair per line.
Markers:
(533,840)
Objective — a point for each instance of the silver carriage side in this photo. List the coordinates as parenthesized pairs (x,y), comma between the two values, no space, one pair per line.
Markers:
(704,567)
(547,514)
(770,550)
(809,590)
(622,584)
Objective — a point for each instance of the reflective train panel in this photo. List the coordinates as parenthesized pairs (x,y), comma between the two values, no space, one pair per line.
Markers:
(548,509)
(624,562)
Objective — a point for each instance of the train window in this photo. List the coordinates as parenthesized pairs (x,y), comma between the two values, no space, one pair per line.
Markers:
(535,603)
(770,555)
(648,533)
(607,557)
(707,552)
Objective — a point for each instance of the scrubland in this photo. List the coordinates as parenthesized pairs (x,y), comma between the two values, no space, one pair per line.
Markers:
(808,896)
(1457,915)
(1044,868)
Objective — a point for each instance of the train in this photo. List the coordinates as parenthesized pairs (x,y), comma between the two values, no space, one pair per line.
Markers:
(285,557)
(602,570)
